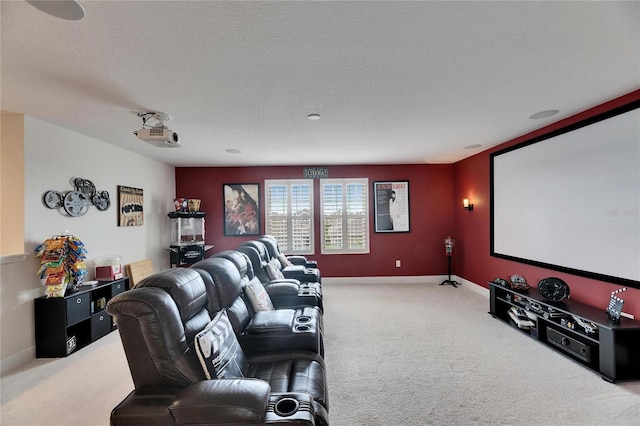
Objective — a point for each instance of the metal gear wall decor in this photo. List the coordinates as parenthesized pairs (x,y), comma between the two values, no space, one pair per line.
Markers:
(76,203)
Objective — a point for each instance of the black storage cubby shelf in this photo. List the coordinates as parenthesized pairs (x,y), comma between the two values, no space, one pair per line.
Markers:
(582,332)
(66,324)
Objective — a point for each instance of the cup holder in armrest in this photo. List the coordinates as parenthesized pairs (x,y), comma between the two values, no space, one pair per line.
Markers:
(303,319)
(290,408)
(286,406)
(302,328)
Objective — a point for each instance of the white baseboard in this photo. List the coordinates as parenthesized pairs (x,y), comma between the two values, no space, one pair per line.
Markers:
(421,279)
(424,279)
(474,287)
(17,360)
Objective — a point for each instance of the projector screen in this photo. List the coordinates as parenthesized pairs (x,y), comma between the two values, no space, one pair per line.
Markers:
(570,200)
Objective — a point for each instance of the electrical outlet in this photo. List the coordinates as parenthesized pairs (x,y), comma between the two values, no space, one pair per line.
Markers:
(398,264)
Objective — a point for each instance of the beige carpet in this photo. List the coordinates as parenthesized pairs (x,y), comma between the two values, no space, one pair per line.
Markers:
(432,355)
(397,354)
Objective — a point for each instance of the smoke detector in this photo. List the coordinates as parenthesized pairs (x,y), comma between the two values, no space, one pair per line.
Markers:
(158,135)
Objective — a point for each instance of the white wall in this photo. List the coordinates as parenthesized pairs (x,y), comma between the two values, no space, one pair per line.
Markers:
(53,157)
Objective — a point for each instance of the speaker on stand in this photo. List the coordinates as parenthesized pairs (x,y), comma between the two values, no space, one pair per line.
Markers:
(448,249)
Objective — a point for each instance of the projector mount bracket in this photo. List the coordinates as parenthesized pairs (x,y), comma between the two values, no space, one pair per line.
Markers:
(160,117)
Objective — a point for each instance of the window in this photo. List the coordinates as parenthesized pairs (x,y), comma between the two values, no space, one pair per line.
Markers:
(345,216)
(289,214)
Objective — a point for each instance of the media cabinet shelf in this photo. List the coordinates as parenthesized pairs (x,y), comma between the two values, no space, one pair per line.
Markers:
(66,324)
(613,350)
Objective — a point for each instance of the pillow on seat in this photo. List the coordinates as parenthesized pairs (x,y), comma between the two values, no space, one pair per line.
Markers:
(258,296)
(273,271)
(218,349)
(283,259)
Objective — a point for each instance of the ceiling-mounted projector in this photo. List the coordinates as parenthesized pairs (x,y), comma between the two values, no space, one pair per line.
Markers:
(158,135)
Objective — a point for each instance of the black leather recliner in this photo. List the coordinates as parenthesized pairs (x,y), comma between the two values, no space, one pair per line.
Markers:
(158,323)
(298,272)
(284,293)
(274,250)
(257,254)
(262,330)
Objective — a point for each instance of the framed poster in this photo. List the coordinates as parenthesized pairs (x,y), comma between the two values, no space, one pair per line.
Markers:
(391,206)
(241,209)
(130,202)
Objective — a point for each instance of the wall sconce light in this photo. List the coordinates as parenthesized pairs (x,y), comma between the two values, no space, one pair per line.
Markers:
(467,205)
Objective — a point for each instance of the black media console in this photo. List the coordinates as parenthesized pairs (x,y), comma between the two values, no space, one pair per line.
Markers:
(66,324)
(582,332)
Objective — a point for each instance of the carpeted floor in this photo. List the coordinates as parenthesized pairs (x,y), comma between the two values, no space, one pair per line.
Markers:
(397,354)
(423,354)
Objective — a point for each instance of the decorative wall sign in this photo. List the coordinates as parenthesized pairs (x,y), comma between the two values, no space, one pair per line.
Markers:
(130,206)
(391,202)
(241,209)
(76,203)
(315,172)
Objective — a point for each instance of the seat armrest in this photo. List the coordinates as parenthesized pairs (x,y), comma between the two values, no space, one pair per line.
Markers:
(294,269)
(302,261)
(282,288)
(301,274)
(284,280)
(286,295)
(273,322)
(297,259)
(222,401)
(147,405)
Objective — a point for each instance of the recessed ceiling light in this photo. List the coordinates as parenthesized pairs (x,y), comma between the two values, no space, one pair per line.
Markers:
(474,146)
(314,117)
(64,9)
(233,151)
(544,114)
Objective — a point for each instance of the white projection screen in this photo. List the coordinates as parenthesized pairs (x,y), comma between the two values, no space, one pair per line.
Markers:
(570,201)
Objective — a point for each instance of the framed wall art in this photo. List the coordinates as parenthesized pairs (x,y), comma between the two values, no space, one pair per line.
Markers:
(391,206)
(130,206)
(241,209)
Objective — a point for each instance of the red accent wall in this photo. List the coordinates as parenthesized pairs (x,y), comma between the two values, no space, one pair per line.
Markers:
(420,251)
(471,180)
(436,193)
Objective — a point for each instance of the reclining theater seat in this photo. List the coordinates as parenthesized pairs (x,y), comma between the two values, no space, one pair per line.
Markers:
(298,272)
(294,259)
(158,324)
(257,324)
(268,272)
(284,293)
(274,250)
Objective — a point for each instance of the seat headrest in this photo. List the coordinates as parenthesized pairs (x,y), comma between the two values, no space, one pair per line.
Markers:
(185,286)
(226,277)
(257,262)
(259,247)
(271,245)
(253,254)
(238,258)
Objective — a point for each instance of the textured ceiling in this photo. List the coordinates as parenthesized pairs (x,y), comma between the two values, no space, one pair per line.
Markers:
(395,82)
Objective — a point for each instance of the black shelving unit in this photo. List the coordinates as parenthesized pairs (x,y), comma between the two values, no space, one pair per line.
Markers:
(582,332)
(66,324)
